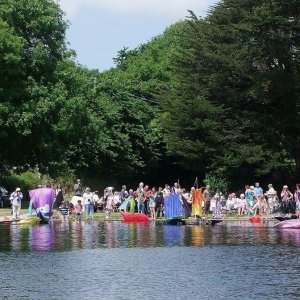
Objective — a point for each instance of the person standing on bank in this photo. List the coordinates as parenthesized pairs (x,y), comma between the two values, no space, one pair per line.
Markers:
(159,203)
(59,197)
(286,197)
(15,199)
(88,203)
(78,188)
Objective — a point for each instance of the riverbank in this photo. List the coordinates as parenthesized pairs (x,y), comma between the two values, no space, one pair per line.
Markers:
(5,214)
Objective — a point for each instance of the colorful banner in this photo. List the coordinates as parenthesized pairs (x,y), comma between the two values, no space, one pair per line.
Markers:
(197,203)
(173,206)
(42,200)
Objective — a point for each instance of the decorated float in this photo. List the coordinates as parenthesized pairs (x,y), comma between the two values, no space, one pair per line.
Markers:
(42,200)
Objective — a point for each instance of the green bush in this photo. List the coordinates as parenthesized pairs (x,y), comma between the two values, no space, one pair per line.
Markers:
(26,181)
(218,181)
(67,180)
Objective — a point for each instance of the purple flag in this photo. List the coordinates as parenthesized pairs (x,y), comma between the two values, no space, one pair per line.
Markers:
(42,200)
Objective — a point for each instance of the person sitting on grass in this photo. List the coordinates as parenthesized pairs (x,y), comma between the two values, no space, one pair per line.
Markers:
(242,203)
(230,203)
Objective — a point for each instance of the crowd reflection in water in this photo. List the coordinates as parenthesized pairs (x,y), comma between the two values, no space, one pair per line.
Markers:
(113,234)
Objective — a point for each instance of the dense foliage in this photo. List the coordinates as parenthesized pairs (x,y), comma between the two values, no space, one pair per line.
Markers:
(215,97)
(236,109)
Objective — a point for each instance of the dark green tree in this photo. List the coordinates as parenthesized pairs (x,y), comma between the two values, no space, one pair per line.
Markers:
(32,43)
(239,70)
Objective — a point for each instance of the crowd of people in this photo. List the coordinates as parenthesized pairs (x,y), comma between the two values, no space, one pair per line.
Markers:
(150,201)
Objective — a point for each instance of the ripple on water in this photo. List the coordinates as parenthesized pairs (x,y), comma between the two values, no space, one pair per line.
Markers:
(113,260)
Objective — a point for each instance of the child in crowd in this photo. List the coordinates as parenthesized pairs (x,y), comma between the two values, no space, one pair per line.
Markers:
(256,207)
(63,210)
(78,210)
(263,204)
(109,204)
(152,206)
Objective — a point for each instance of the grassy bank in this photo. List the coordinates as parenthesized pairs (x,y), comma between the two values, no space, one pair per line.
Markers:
(101,216)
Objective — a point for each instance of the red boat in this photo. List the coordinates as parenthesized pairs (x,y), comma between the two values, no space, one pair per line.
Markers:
(134,217)
(255,219)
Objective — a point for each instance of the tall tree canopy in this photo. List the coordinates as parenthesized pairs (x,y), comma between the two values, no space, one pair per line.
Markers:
(237,105)
(216,96)
(32,44)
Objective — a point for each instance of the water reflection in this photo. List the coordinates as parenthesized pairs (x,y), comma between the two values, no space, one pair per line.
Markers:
(110,234)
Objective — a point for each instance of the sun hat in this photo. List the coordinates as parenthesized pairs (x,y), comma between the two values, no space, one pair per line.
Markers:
(18,189)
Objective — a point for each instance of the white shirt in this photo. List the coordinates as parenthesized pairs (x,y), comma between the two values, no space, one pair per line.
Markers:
(16,198)
(87,196)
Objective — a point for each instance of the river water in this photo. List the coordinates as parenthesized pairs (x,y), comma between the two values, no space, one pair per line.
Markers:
(115,260)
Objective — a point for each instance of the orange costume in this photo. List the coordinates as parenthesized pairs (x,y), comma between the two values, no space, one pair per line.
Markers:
(197,202)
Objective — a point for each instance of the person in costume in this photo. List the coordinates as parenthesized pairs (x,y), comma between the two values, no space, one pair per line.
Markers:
(131,202)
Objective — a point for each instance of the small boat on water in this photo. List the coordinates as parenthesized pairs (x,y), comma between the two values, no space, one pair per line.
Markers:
(134,217)
(213,221)
(9,220)
(255,219)
(284,218)
(192,221)
(176,221)
(30,221)
(288,224)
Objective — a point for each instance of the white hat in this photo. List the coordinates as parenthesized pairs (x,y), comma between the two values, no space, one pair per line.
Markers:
(18,189)
(285,186)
